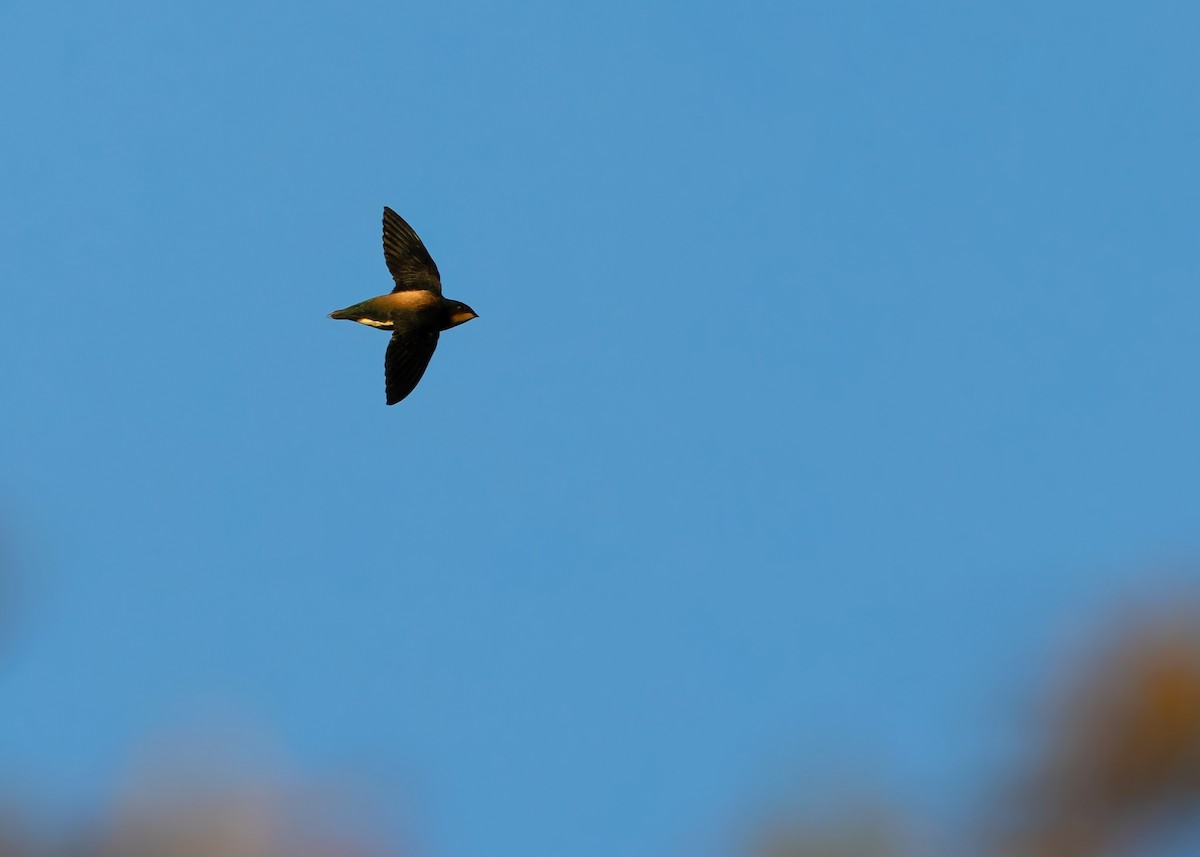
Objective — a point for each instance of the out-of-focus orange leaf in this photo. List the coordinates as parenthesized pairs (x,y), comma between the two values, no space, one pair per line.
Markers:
(1124,749)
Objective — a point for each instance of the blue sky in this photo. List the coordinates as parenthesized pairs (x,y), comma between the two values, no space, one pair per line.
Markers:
(835,363)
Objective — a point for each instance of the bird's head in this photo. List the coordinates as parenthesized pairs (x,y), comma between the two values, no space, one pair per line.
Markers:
(460,313)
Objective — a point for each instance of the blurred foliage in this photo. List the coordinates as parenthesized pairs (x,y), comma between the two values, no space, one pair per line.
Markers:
(238,823)
(202,816)
(1116,762)
(1121,755)
(859,830)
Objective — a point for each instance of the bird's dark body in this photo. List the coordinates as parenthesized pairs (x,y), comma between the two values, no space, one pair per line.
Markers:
(415,312)
(401,310)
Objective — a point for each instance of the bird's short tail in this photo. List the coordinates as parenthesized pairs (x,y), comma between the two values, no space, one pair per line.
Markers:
(343,313)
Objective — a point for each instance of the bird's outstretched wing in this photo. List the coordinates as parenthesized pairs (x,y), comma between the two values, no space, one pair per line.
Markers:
(408,354)
(407,259)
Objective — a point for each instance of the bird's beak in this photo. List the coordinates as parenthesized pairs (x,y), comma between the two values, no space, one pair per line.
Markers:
(464,316)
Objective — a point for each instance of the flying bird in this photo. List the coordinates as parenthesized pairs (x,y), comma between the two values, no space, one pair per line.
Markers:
(415,311)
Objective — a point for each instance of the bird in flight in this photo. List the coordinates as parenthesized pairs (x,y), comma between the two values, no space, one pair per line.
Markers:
(415,311)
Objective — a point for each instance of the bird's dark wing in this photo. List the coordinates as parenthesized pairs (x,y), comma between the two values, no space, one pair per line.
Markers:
(407,356)
(407,259)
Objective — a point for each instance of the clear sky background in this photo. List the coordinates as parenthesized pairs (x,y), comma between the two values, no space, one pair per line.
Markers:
(836,362)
